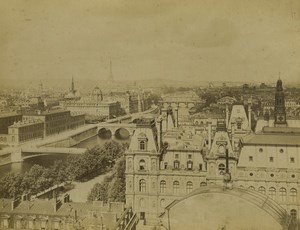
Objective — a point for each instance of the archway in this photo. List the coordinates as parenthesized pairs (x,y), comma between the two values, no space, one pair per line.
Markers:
(105,133)
(122,134)
(212,207)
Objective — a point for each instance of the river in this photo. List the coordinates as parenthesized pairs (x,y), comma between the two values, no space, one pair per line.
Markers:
(47,161)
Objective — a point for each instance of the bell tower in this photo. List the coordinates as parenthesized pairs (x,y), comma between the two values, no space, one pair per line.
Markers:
(279,111)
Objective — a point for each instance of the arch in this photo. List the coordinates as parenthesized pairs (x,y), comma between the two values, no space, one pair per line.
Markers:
(105,133)
(293,213)
(293,195)
(189,186)
(266,210)
(221,168)
(203,184)
(142,185)
(272,193)
(163,185)
(251,188)
(262,190)
(176,187)
(282,194)
(122,134)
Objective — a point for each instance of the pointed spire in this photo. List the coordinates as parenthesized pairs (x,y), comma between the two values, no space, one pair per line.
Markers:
(111,77)
(72,86)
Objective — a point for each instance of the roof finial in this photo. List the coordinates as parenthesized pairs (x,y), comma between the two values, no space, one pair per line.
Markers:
(279,76)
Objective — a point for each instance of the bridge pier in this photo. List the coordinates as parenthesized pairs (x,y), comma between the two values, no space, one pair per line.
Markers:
(16,156)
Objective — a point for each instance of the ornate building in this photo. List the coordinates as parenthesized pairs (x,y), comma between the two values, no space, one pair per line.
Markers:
(265,166)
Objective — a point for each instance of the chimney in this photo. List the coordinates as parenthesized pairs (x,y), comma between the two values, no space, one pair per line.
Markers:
(232,133)
(209,135)
(227,116)
(57,205)
(249,114)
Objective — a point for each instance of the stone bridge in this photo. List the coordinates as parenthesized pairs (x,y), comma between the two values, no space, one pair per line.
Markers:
(116,129)
(20,154)
(178,102)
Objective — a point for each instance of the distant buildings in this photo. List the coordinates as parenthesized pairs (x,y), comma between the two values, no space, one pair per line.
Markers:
(56,215)
(160,171)
(17,128)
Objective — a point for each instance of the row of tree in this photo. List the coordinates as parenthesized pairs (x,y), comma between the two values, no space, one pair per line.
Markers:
(76,168)
(113,186)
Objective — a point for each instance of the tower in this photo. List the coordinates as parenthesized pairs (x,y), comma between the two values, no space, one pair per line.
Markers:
(279,111)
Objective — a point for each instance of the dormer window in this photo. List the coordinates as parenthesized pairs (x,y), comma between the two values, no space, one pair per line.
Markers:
(142,145)
(142,139)
(190,165)
(176,164)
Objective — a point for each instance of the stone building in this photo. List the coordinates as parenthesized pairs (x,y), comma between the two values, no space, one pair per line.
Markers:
(264,166)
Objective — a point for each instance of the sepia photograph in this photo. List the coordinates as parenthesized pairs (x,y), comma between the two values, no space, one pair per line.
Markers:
(150,114)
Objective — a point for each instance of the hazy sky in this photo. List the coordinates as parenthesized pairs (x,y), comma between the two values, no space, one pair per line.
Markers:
(203,40)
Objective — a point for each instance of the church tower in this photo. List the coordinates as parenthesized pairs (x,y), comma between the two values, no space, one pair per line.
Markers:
(279,111)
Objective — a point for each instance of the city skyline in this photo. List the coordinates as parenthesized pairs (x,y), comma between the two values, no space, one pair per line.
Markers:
(230,41)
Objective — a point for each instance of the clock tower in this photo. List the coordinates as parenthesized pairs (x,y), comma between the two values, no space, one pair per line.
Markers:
(279,111)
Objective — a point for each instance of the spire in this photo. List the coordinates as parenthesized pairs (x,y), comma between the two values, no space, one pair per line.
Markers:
(111,77)
(72,86)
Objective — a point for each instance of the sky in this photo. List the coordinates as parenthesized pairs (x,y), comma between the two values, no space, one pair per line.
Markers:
(187,40)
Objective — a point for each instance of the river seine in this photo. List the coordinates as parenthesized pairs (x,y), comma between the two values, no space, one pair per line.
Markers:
(47,161)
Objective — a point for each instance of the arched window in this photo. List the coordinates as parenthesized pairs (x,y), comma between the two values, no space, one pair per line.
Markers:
(203,184)
(293,195)
(162,186)
(221,168)
(175,187)
(142,165)
(282,194)
(294,213)
(189,186)
(251,188)
(142,185)
(162,203)
(142,145)
(272,193)
(262,190)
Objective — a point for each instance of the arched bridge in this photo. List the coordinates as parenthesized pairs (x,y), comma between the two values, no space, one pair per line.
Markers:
(122,130)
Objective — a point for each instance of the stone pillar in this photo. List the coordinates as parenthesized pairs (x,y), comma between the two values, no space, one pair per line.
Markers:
(16,155)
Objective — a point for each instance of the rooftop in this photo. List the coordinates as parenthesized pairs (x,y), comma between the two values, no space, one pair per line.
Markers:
(9,114)
(272,139)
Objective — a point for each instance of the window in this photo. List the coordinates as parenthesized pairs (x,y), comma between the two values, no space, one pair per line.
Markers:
(175,187)
(162,186)
(239,125)
(165,165)
(294,213)
(142,216)
(221,168)
(190,156)
(176,156)
(271,159)
(142,145)
(260,150)
(292,160)
(142,164)
(189,165)
(282,194)
(200,167)
(176,164)
(250,158)
(251,188)
(272,193)
(142,185)
(262,190)
(293,194)
(189,186)
(203,184)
